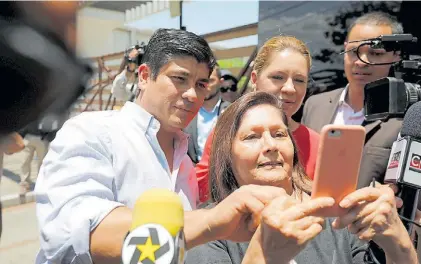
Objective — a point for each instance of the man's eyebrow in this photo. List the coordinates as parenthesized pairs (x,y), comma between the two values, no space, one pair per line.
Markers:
(181,72)
(362,40)
(349,50)
(187,74)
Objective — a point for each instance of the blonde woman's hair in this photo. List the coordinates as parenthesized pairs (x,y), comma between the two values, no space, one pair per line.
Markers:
(278,44)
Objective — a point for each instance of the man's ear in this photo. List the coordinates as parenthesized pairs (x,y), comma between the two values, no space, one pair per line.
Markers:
(145,74)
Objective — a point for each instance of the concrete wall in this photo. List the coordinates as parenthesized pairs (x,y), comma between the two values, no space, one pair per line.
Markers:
(101,32)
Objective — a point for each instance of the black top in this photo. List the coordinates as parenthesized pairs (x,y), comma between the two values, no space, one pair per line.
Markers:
(331,246)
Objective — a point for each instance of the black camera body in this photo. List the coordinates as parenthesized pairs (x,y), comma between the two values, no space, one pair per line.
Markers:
(138,59)
(392,96)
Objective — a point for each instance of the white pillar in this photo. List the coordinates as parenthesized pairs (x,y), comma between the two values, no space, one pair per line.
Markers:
(154,6)
(128,15)
(138,15)
(161,5)
(133,12)
(148,8)
(143,10)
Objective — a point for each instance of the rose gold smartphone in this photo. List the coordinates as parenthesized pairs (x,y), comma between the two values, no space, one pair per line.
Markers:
(338,164)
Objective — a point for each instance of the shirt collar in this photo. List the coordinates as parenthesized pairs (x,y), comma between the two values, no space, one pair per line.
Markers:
(140,116)
(343,95)
(148,122)
(182,139)
(342,101)
(215,108)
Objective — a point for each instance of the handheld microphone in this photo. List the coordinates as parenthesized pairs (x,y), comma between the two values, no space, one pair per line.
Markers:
(404,167)
(156,234)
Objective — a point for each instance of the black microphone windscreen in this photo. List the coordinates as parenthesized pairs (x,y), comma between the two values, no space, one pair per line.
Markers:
(411,125)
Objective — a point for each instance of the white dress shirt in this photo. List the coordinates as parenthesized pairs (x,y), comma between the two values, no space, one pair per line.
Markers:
(99,161)
(345,115)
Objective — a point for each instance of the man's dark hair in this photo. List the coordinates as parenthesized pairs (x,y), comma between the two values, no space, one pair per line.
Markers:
(378,19)
(168,44)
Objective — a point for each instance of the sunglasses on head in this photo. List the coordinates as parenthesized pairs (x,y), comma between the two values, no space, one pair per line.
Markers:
(232,88)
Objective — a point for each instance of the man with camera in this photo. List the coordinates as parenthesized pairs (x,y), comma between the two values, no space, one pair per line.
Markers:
(125,83)
(345,105)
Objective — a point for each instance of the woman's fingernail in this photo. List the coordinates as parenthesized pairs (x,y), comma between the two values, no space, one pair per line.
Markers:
(335,223)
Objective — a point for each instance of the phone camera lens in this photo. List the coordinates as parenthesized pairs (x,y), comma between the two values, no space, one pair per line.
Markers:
(335,133)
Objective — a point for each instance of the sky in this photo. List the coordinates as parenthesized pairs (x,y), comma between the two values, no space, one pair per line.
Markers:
(203,17)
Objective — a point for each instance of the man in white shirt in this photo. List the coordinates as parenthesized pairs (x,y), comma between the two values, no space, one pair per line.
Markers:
(100,162)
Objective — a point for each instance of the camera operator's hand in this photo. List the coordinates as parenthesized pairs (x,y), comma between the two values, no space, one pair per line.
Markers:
(133,54)
(131,67)
(416,230)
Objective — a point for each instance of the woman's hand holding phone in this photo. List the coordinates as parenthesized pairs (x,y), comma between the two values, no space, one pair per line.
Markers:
(286,226)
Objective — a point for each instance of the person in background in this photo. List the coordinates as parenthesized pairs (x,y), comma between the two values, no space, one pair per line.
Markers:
(344,106)
(202,124)
(125,83)
(35,142)
(254,145)
(13,143)
(229,89)
(281,68)
(37,137)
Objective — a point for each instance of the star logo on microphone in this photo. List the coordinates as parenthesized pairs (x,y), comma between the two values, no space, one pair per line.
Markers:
(148,244)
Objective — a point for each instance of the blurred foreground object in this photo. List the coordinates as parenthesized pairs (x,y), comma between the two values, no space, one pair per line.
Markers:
(38,63)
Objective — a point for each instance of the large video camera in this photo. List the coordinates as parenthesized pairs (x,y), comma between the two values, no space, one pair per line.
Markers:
(391,96)
(138,59)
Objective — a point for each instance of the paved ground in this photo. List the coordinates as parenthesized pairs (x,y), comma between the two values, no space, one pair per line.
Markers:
(19,242)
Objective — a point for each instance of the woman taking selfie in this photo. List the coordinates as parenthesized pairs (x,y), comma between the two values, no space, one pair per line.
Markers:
(253,145)
(281,68)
